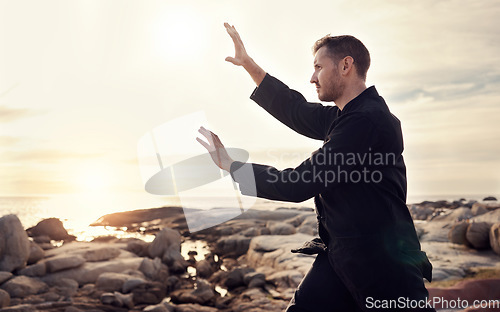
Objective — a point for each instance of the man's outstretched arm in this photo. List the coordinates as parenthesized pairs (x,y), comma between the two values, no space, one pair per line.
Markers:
(241,57)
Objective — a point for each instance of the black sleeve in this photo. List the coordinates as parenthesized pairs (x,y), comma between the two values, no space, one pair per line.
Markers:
(347,145)
(292,109)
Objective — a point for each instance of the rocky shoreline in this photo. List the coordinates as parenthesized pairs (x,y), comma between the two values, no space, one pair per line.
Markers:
(248,265)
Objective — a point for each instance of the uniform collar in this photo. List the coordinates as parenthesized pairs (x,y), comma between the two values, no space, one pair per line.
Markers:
(367,93)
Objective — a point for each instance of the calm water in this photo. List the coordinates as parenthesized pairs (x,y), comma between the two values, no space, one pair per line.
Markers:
(78,211)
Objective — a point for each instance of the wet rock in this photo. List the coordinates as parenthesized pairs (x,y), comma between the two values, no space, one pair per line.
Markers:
(457,233)
(495,238)
(34,270)
(202,294)
(52,227)
(14,244)
(204,269)
(167,246)
(4,298)
(235,278)
(232,246)
(36,253)
(23,286)
(63,263)
(478,235)
(281,228)
(101,254)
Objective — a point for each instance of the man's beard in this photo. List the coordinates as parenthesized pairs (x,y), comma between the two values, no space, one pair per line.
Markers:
(334,92)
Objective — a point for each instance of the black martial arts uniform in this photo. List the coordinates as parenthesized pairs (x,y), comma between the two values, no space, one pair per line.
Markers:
(358,181)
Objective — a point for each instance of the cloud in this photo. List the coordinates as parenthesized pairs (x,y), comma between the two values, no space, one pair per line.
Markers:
(11,114)
(6,141)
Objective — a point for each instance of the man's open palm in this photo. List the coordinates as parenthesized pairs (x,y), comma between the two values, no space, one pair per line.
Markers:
(240,54)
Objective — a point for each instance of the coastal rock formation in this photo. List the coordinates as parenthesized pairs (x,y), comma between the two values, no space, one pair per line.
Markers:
(14,244)
(51,227)
(167,247)
(478,235)
(495,238)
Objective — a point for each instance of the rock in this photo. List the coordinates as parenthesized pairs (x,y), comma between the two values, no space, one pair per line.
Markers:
(281,228)
(36,253)
(126,300)
(459,214)
(110,281)
(110,299)
(154,269)
(14,244)
(4,299)
(152,293)
(419,212)
(42,239)
(163,306)
(52,227)
(457,233)
(167,246)
(478,209)
(190,307)
(34,270)
(285,279)
(232,246)
(4,276)
(254,279)
(63,263)
(204,269)
(235,277)
(490,198)
(138,247)
(478,290)
(478,235)
(101,254)
(131,283)
(202,294)
(490,216)
(65,287)
(23,286)
(495,238)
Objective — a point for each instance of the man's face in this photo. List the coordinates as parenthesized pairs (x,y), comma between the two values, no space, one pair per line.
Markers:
(326,77)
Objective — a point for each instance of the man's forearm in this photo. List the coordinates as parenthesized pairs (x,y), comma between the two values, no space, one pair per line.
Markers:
(255,71)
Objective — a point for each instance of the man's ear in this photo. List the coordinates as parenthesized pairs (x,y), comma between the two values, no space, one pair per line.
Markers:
(347,64)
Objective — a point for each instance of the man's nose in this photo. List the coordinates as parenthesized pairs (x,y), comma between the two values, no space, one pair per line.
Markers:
(314,79)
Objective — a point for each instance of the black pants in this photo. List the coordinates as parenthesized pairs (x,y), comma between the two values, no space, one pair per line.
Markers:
(357,284)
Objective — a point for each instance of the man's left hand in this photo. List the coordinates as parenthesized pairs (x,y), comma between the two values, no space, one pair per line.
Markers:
(216,149)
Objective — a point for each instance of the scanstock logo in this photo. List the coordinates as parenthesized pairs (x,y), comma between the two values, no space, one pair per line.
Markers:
(174,164)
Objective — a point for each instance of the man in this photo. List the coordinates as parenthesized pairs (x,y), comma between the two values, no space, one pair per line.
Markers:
(371,258)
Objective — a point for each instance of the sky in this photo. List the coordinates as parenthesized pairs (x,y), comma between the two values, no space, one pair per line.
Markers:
(81,82)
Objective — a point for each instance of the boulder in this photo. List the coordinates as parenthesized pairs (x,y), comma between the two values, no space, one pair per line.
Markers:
(14,244)
(478,235)
(5,276)
(495,238)
(194,307)
(36,253)
(65,287)
(167,246)
(23,286)
(235,278)
(421,212)
(285,279)
(154,269)
(478,209)
(254,279)
(459,214)
(51,227)
(232,246)
(138,247)
(281,228)
(490,198)
(34,270)
(133,282)
(63,263)
(204,268)
(4,299)
(101,254)
(202,294)
(457,233)
(111,282)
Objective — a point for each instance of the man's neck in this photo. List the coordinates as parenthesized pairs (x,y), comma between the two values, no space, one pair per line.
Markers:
(349,94)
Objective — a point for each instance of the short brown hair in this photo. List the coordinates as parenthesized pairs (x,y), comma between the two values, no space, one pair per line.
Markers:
(342,46)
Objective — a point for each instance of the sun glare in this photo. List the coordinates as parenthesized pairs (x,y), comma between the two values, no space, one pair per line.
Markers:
(93,179)
(179,33)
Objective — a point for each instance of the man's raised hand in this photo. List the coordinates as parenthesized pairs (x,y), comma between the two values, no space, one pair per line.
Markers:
(241,57)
